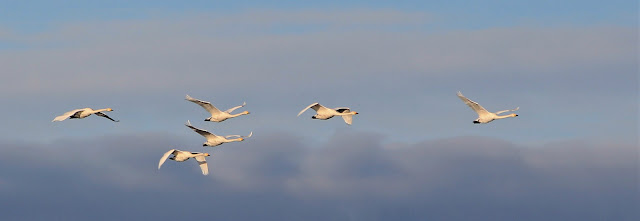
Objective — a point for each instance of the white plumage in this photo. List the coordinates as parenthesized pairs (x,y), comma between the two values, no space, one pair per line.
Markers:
(324,113)
(484,116)
(181,156)
(217,115)
(82,113)
(215,140)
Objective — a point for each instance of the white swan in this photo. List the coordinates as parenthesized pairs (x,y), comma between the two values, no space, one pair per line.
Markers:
(215,140)
(484,116)
(217,115)
(82,113)
(323,113)
(181,156)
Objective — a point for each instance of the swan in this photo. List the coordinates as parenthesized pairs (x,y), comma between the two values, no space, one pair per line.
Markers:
(215,140)
(217,115)
(181,156)
(485,116)
(82,113)
(323,113)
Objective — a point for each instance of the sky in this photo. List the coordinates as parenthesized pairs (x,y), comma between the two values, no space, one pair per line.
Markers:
(412,153)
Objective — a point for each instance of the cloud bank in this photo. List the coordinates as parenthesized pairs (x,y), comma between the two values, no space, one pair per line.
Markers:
(353,176)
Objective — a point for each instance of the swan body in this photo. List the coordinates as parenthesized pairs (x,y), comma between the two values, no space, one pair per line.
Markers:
(485,116)
(215,140)
(181,156)
(324,113)
(217,115)
(82,113)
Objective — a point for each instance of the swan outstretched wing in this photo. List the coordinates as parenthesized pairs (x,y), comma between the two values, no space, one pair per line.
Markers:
(202,132)
(502,111)
(67,115)
(314,106)
(234,108)
(204,104)
(347,119)
(474,105)
(165,156)
(105,116)
(203,164)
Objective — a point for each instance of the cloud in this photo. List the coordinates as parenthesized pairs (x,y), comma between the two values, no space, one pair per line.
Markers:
(251,48)
(352,176)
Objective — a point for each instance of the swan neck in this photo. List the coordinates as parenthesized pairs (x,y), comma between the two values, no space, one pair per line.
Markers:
(239,114)
(99,110)
(504,116)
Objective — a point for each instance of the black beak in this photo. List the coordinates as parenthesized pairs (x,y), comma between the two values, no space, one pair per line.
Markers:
(516,115)
(204,145)
(476,122)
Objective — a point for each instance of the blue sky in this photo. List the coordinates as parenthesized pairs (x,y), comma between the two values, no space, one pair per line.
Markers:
(36,15)
(570,66)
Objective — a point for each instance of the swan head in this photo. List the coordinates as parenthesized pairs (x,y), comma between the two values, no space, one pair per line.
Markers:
(354,113)
(246,112)
(109,109)
(206,154)
(240,139)
(514,115)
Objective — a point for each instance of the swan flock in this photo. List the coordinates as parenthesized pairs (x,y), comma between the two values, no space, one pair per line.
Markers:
(212,140)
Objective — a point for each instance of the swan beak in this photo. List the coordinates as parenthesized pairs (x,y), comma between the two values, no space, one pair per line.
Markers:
(207,154)
(356,113)
(204,144)
(516,115)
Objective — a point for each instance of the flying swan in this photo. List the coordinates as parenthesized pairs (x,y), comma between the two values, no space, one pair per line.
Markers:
(181,156)
(484,116)
(215,140)
(82,113)
(217,115)
(323,113)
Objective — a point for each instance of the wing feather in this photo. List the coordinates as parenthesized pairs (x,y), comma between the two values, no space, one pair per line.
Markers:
(474,105)
(164,157)
(203,164)
(67,115)
(347,119)
(204,104)
(105,116)
(202,132)
(315,106)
